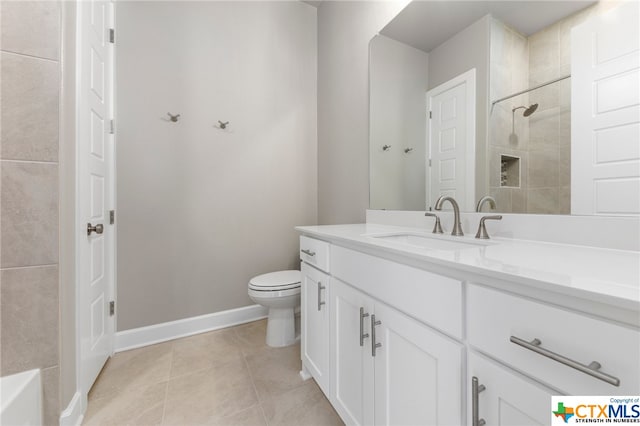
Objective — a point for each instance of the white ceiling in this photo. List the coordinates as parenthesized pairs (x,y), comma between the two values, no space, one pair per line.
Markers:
(426,24)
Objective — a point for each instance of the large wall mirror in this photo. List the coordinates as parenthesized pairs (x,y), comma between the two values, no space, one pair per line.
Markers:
(474,98)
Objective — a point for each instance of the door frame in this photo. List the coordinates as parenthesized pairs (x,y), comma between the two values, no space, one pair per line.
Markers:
(80,234)
(468,78)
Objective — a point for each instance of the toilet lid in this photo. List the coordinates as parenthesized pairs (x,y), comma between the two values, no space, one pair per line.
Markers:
(276,280)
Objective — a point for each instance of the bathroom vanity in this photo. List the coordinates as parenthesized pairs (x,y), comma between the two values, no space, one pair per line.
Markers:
(401,326)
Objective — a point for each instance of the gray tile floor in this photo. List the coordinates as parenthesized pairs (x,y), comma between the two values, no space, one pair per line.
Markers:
(224,377)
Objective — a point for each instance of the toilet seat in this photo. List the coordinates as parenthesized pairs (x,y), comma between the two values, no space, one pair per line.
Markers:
(280,293)
(274,294)
(276,281)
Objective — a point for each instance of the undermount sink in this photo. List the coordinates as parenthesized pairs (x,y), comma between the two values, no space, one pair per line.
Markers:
(429,243)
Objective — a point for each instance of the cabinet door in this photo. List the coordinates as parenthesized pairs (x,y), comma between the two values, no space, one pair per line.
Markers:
(508,398)
(352,364)
(315,324)
(417,373)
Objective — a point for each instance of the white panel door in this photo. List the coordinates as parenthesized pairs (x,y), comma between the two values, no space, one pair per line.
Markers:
(352,380)
(314,322)
(95,189)
(418,373)
(508,398)
(605,115)
(451,139)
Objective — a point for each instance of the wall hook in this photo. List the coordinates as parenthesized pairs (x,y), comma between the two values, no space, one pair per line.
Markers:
(386,147)
(408,150)
(222,125)
(173,118)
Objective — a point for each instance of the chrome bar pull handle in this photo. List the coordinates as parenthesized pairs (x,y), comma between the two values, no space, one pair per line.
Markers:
(593,369)
(308,252)
(98,229)
(363,336)
(374,345)
(320,302)
(476,388)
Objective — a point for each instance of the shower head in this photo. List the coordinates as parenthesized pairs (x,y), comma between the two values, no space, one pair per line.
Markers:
(532,108)
(527,111)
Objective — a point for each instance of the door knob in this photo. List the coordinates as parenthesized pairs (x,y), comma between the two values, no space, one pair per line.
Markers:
(97,228)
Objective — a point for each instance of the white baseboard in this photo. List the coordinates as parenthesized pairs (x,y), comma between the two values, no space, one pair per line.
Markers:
(144,336)
(74,413)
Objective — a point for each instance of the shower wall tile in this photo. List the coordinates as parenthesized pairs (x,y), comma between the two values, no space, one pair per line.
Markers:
(29,211)
(564,200)
(29,114)
(501,74)
(542,200)
(546,97)
(29,318)
(564,165)
(519,200)
(503,199)
(520,60)
(30,35)
(564,93)
(500,126)
(30,28)
(544,50)
(494,166)
(544,130)
(51,400)
(543,169)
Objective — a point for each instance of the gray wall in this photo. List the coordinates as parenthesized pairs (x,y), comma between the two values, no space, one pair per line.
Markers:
(398,83)
(468,49)
(29,323)
(201,210)
(344,31)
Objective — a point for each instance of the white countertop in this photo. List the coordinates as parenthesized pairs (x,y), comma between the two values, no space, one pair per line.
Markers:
(598,274)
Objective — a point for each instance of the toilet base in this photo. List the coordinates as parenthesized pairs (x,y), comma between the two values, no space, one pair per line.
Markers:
(281,327)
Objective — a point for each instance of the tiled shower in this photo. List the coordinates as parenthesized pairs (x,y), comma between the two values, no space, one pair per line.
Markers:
(530,157)
(29,280)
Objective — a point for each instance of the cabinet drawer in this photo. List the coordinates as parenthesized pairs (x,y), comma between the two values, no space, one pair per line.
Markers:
(508,398)
(430,298)
(495,317)
(315,252)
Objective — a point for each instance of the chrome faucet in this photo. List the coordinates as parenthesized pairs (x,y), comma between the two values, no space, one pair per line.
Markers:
(482,233)
(437,228)
(486,198)
(457,226)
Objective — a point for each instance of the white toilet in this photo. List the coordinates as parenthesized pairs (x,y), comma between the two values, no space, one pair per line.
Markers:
(280,292)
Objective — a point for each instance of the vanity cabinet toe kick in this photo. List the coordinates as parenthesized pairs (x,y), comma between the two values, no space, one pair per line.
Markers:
(395,354)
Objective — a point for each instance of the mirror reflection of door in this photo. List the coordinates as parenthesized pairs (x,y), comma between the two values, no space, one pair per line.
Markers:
(451,141)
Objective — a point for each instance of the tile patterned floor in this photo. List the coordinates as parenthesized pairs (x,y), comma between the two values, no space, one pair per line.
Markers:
(226,377)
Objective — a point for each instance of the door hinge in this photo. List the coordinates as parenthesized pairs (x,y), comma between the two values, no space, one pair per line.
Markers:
(111,127)
(112,217)
(112,308)
(112,35)
(430,114)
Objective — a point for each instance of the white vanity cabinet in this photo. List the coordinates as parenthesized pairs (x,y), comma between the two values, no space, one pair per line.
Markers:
(352,382)
(504,397)
(556,341)
(388,368)
(314,311)
(553,345)
(435,327)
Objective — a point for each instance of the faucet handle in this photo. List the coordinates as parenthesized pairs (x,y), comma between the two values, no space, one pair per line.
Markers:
(437,227)
(482,233)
